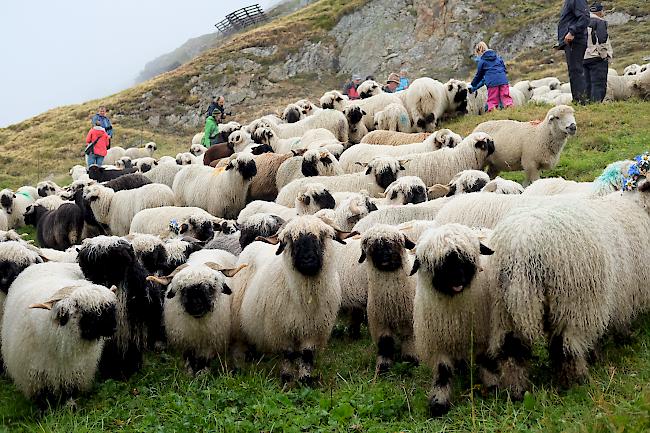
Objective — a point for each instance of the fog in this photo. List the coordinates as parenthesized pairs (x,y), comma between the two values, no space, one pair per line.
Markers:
(59,53)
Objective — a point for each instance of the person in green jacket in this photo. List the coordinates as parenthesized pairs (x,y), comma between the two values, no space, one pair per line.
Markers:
(211,132)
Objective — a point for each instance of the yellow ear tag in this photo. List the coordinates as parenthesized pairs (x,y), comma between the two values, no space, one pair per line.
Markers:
(217,171)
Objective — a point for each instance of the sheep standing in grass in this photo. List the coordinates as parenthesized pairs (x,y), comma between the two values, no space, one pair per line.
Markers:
(110,261)
(220,192)
(427,100)
(117,209)
(374,104)
(14,206)
(390,293)
(289,305)
(441,166)
(380,172)
(567,272)
(58,229)
(196,311)
(394,138)
(141,152)
(53,331)
(364,153)
(451,314)
(522,145)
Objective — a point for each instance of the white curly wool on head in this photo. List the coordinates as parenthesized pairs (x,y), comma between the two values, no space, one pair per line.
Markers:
(16,251)
(145,242)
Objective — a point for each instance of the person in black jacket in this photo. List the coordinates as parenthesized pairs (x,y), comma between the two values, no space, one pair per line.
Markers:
(572,38)
(598,55)
(218,105)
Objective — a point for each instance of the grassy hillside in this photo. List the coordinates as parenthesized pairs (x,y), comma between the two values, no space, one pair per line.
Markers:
(46,146)
(349,398)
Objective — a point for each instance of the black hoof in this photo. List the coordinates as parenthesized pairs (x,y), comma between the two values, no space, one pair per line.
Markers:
(308,381)
(437,409)
(286,378)
(409,359)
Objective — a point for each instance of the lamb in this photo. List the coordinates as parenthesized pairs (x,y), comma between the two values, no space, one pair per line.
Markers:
(241,141)
(110,261)
(197,149)
(124,162)
(314,162)
(114,154)
(311,139)
(522,145)
(348,212)
(632,69)
(163,173)
(312,198)
(452,306)
(303,276)
(405,190)
(440,166)
(477,101)
(332,120)
(369,88)
(619,88)
(427,100)
(14,206)
(393,117)
(363,153)
(117,209)
(58,229)
(196,312)
(168,221)
(357,128)
(53,333)
(140,152)
(167,160)
(525,88)
(145,164)
(394,138)
(518,98)
(499,185)
(551,82)
(264,225)
(128,181)
(103,174)
(292,113)
(186,158)
(390,293)
(576,273)
(307,107)
(334,100)
(380,172)
(223,194)
(47,188)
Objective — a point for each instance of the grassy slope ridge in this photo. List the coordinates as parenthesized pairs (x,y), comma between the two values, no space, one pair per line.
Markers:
(349,397)
(47,145)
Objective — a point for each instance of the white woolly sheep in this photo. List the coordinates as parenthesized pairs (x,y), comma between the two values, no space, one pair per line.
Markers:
(314,162)
(47,188)
(523,145)
(222,192)
(402,214)
(141,152)
(348,211)
(394,117)
(114,154)
(124,162)
(518,98)
(357,128)
(197,149)
(117,209)
(164,173)
(369,88)
(452,306)
(427,100)
(334,100)
(394,138)
(14,206)
(441,166)
(551,82)
(390,293)
(525,88)
(405,190)
(307,107)
(145,164)
(260,224)
(51,202)
(302,277)
(53,333)
(477,101)
(380,172)
(29,190)
(498,185)
(167,160)
(79,172)
(292,113)
(632,69)
(186,158)
(363,153)
(332,120)
(169,221)
(572,271)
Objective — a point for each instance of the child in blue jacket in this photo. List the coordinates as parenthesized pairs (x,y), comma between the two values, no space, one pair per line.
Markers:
(492,70)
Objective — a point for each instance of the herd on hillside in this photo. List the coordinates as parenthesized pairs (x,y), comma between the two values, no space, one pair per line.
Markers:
(354,211)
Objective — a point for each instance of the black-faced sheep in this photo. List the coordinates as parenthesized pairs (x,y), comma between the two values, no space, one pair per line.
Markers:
(141,152)
(314,162)
(427,100)
(169,221)
(334,100)
(358,129)
(103,174)
(14,206)
(53,331)
(47,188)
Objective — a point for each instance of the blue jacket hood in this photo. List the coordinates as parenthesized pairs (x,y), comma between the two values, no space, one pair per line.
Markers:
(489,56)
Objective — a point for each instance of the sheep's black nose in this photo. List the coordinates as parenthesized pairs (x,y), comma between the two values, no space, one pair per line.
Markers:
(572,129)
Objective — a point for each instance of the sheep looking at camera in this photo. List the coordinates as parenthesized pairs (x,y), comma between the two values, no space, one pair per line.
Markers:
(369,88)
(314,162)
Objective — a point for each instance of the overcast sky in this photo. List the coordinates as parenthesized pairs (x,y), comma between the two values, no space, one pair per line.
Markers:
(69,51)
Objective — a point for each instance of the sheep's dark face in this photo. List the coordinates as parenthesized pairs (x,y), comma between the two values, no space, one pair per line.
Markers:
(309,167)
(354,114)
(262,148)
(384,176)
(371,91)
(46,190)
(485,144)
(198,299)
(328,104)
(268,228)
(429,119)
(453,274)
(145,167)
(7,202)
(95,324)
(262,136)
(30,216)
(415,194)
(307,253)
(385,254)
(106,266)
(246,168)
(153,260)
(151,147)
(292,115)
(324,200)
(9,271)
(202,230)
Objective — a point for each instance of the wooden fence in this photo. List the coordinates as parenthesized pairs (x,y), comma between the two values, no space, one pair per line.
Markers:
(241,19)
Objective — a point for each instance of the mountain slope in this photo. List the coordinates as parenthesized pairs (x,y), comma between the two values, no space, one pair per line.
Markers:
(304,54)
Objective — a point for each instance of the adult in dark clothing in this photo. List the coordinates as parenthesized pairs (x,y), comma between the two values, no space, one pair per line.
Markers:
(572,38)
(350,88)
(103,120)
(218,105)
(598,55)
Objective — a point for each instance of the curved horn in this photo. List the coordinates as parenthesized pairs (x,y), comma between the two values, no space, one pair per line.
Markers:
(228,272)
(168,279)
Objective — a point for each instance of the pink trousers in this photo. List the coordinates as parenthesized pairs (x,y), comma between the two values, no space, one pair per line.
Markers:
(499,95)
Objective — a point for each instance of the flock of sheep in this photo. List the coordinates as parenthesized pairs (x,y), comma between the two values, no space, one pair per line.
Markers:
(353,210)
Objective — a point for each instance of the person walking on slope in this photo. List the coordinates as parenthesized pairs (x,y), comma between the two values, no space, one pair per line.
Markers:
(492,70)
(598,55)
(572,38)
(97,141)
(104,121)
(211,131)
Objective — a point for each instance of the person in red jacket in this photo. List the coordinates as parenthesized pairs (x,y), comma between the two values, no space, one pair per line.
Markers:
(97,142)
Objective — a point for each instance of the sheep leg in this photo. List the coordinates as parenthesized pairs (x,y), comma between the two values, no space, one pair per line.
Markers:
(440,395)
(356,319)
(532,174)
(409,353)
(385,353)
(287,370)
(513,355)
(194,363)
(488,371)
(571,368)
(305,364)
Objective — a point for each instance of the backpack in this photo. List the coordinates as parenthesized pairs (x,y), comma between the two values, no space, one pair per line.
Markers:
(595,48)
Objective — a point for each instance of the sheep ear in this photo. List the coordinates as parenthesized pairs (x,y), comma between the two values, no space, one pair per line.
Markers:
(362,164)
(226,290)
(408,244)
(341,236)
(45,305)
(280,249)
(368,170)
(416,266)
(228,272)
(183,228)
(485,250)
(273,240)
(437,191)
(363,113)
(363,257)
